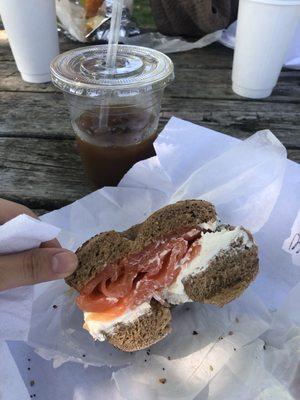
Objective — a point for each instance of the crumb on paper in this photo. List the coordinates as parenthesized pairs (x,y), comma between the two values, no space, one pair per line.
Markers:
(169,358)
(28,368)
(54,306)
(164,369)
(211,367)
(195,333)
(230,333)
(83,355)
(32,383)
(237,320)
(234,349)
(220,338)
(264,346)
(28,359)
(162,380)
(145,360)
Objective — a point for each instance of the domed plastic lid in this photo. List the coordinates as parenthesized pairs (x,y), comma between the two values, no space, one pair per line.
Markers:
(83,71)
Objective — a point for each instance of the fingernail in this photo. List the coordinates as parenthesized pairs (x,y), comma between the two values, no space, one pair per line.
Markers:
(64,263)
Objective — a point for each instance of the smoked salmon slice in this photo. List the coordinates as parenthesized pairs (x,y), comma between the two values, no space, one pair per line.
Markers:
(138,277)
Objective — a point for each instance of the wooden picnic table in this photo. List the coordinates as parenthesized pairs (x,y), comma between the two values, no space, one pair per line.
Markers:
(39,165)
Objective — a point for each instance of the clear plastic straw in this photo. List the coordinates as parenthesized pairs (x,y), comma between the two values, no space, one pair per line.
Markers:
(114,33)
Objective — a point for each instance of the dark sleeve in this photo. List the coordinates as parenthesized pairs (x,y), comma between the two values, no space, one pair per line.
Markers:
(193,18)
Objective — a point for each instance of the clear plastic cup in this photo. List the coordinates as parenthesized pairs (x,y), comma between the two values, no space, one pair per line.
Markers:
(265,29)
(114,113)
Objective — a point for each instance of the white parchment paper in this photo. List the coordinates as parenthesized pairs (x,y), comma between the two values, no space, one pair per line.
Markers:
(292,244)
(250,345)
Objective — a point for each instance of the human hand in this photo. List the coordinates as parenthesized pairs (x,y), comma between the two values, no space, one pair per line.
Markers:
(47,263)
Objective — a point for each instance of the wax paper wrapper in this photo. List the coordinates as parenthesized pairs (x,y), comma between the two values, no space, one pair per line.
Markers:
(244,180)
(246,348)
(292,244)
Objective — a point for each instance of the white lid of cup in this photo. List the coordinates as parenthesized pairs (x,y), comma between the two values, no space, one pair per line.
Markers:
(83,72)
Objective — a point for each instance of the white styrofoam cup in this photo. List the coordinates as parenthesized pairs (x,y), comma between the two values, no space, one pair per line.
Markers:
(265,29)
(31,28)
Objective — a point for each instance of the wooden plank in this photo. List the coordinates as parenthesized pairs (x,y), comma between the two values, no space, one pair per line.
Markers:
(45,115)
(6,54)
(38,115)
(216,84)
(43,174)
(40,211)
(239,119)
(11,81)
(189,83)
(213,56)
(47,174)
(294,155)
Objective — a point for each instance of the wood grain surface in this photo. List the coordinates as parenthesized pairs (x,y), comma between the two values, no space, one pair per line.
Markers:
(39,165)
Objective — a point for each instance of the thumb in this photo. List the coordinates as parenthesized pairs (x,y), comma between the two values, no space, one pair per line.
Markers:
(35,266)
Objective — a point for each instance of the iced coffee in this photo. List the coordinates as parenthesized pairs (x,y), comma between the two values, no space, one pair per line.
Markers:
(114,114)
(109,152)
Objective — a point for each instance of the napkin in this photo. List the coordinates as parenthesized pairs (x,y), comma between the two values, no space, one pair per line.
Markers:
(19,234)
(23,233)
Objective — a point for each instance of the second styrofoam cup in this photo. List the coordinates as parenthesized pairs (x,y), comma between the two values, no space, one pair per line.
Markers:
(31,28)
(265,29)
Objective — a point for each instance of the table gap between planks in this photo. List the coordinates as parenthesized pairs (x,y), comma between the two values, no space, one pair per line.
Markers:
(39,165)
